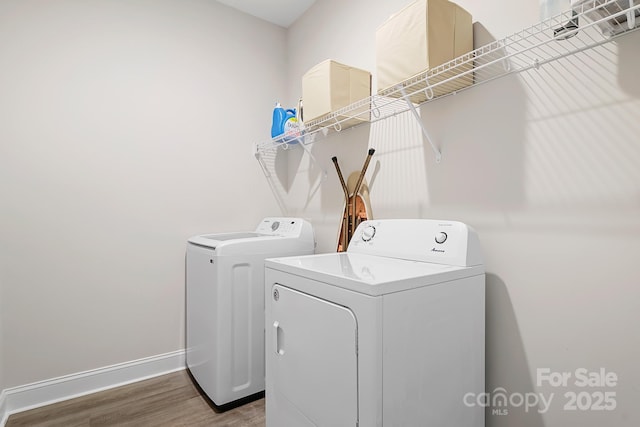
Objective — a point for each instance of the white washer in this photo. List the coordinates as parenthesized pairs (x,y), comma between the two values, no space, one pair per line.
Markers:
(225,304)
(389,333)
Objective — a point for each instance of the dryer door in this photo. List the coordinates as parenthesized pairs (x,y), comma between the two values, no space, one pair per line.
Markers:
(312,362)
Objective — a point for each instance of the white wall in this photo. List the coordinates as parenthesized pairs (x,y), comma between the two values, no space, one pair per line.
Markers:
(543,165)
(125,127)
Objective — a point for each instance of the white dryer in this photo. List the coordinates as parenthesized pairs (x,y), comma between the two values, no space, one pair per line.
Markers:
(225,304)
(389,333)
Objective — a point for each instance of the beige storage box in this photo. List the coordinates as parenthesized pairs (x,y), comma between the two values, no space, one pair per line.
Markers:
(330,86)
(423,35)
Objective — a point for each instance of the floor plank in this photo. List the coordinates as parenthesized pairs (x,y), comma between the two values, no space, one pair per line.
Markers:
(169,400)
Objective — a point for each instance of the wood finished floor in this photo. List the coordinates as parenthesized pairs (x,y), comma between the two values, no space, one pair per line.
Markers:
(168,400)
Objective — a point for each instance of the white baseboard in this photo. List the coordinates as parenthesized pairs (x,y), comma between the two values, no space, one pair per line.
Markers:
(3,408)
(25,397)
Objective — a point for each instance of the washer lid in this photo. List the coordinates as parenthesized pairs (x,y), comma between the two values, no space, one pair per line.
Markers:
(231,236)
(370,274)
(272,235)
(214,240)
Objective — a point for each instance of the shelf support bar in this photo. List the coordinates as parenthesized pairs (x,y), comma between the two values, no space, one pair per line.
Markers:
(631,16)
(412,107)
(256,153)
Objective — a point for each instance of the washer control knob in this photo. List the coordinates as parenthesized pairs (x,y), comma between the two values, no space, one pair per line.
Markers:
(368,233)
(441,237)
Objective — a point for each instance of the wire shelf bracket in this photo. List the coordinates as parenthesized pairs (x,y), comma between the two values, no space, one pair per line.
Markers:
(425,132)
(259,150)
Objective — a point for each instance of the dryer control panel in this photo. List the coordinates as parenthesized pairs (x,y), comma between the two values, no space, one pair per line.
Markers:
(426,240)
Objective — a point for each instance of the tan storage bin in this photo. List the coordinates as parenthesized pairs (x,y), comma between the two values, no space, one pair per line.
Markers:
(330,86)
(423,35)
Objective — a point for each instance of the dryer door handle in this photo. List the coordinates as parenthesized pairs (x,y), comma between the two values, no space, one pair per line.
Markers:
(278,334)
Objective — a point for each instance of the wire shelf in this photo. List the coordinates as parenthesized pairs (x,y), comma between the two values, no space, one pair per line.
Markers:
(587,25)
